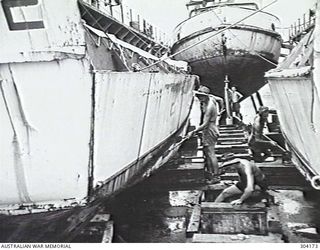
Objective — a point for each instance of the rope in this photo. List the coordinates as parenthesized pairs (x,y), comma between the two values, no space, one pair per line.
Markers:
(217,33)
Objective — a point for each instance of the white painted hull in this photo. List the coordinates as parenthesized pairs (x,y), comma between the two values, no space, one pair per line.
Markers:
(71,129)
(295,86)
(240,57)
(298,113)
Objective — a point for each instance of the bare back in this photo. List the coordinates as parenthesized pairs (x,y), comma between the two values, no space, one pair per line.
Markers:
(211,131)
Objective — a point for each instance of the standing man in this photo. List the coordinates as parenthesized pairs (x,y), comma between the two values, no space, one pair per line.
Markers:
(210,134)
(235,98)
(251,178)
(260,147)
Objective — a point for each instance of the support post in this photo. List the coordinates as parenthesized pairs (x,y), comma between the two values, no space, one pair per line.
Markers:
(259,98)
(110,6)
(226,100)
(122,14)
(254,103)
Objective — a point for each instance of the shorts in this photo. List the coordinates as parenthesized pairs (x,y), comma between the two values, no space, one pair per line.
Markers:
(236,107)
(210,136)
(262,184)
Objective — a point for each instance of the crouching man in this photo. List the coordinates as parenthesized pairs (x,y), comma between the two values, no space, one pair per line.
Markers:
(250,179)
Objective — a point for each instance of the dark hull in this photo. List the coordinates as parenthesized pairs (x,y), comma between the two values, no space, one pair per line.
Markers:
(214,50)
(246,72)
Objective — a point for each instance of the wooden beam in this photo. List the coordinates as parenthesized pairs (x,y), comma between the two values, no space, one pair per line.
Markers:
(108,233)
(194,223)
(224,218)
(227,238)
(226,207)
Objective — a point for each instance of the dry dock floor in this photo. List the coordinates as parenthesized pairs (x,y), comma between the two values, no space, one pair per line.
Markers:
(171,207)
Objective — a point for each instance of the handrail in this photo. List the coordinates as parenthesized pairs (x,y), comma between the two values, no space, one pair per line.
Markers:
(301,26)
(125,15)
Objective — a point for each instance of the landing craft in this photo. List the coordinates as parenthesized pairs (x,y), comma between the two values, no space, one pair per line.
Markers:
(78,124)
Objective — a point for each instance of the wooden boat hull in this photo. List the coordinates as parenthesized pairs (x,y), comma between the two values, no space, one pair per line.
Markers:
(243,52)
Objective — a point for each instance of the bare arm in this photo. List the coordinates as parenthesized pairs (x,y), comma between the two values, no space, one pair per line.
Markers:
(258,131)
(249,188)
(250,184)
(239,95)
(219,100)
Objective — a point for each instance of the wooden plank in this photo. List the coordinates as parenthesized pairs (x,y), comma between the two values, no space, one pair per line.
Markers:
(108,233)
(225,238)
(223,135)
(274,224)
(193,158)
(230,146)
(194,224)
(100,218)
(224,218)
(191,166)
(232,137)
(226,207)
(246,156)
(232,131)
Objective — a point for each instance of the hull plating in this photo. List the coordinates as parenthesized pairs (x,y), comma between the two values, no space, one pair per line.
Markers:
(241,52)
(73,131)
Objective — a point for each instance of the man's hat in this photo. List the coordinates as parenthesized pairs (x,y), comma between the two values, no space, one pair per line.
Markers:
(203,90)
(263,109)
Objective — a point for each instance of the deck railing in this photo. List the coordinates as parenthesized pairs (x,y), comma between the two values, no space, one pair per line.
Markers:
(129,17)
(302,25)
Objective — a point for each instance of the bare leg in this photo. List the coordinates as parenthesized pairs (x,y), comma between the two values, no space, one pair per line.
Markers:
(211,158)
(228,192)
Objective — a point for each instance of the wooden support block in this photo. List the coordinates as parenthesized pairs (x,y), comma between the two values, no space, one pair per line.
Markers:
(194,223)
(231,127)
(192,159)
(227,238)
(191,166)
(226,207)
(232,150)
(100,218)
(184,176)
(235,135)
(224,218)
(244,156)
(231,142)
(235,131)
(274,224)
(230,146)
(236,139)
(108,233)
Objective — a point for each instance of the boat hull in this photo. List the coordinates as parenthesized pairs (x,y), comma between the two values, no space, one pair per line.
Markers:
(243,52)
(77,126)
(299,118)
(30,224)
